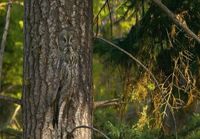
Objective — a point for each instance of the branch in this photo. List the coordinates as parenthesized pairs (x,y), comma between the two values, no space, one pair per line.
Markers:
(4,37)
(122,17)
(106,103)
(110,16)
(9,88)
(133,58)
(104,5)
(175,20)
(89,127)
(10,99)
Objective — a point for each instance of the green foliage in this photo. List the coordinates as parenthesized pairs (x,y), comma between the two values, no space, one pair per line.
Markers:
(106,81)
(13,51)
(12,69)
(11,134)
(194,135)
(192,129)
(117,130)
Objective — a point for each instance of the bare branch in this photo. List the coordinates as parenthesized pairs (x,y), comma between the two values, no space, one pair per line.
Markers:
(122,17)
(104,5)
(110,16)
(133,58)
(9,89)
(106,103)
(89,127)
(175,20)
(13,117)
(10,99)
(4,37)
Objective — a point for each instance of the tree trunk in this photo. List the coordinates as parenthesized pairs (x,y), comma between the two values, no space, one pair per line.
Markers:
(57,69)
(4,38)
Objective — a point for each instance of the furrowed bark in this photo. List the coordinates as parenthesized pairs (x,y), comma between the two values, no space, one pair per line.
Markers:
(57,69)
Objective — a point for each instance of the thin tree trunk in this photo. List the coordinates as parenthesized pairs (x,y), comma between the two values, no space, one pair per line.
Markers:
(4,38)
(57,69)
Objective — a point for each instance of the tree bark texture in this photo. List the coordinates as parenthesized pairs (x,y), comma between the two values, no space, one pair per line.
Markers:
(57,69)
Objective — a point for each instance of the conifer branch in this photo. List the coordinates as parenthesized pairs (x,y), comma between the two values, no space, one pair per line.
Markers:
(172,16)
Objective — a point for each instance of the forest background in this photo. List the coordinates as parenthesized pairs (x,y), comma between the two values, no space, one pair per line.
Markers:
(150,92)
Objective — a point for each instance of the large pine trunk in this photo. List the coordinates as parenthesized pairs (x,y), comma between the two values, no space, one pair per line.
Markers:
(57,69)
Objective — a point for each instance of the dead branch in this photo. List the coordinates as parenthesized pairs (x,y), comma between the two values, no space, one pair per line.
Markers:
(175,20)
(122,17)
(133,58)
(10,99)
(106,103)
(102,7)
(10,88)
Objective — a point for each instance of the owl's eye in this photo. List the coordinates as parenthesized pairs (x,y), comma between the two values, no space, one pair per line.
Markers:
(64,40)
(70,40)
